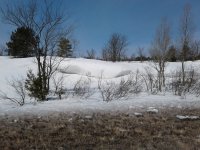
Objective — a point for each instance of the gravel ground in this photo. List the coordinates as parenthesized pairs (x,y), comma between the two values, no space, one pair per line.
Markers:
(160,130)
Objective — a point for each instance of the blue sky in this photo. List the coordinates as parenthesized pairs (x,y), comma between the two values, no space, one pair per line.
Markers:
(96,20)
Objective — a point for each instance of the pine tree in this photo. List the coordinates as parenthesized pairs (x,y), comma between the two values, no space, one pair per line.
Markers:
(33,84)
(64,48)
(22,42)
(171,54)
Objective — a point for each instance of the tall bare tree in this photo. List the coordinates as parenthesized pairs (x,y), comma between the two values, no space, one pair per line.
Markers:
(50,24)
(115,48)
(159,49)
(141,53)
(91,54)
(186,34)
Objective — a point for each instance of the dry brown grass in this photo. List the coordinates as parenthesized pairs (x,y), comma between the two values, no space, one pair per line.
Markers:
(102,131)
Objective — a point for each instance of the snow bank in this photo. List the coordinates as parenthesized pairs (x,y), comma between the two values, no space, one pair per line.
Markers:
(73,69)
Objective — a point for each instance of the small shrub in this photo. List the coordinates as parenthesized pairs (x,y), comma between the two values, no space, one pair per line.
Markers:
(82,88)
(190,85)
(59,87)
(196,89)
(150,81)
(111,90)
(107,90)
(34,85)
(19,88)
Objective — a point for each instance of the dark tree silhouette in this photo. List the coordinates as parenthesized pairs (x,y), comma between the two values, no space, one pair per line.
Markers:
(22,42)
(64,48)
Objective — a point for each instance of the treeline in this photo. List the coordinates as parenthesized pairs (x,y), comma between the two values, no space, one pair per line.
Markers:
(163,46)
(24,39)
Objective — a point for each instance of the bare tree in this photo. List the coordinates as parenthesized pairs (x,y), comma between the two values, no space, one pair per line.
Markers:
(196,49)
(159,49)
(91,54)
(105,54)
(140,53)
(186,34)
(115,48)
(49,24)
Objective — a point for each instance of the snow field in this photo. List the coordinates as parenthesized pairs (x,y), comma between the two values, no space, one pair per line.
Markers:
(73,69)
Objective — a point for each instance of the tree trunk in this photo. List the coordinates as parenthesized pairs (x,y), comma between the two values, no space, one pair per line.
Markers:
(183,73)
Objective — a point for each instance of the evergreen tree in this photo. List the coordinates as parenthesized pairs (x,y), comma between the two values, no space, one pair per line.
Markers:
(33,84)
(22,42)
(171,54)
(64,48)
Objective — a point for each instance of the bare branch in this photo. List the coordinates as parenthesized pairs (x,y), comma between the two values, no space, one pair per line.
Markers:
(19,88)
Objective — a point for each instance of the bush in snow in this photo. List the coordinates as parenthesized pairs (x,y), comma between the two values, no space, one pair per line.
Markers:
(126,87)
(107,90)
(196,89)
(130,86)
(175,84)
(58,86)
(190,85)
(150,81)
(33,85)
(19,88)
(82,88)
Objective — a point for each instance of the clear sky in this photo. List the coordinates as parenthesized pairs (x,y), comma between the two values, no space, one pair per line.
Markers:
(96,20)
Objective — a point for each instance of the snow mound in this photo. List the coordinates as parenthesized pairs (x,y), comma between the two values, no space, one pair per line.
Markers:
(73,69)
(123,73)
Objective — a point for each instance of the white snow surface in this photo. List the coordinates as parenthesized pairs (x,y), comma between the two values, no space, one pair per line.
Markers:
(74,69)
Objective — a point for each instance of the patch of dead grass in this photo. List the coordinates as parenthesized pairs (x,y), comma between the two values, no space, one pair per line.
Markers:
(102,131)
